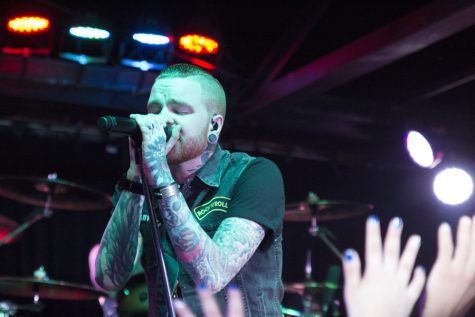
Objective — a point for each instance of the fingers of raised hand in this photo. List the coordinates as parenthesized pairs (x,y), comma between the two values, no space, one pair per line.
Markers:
(373,247)
(208,303)
(182,310)
(351,270)
(445,245)
(235,306)
(471,259)
(417,284)
(408,258)
(392,244)
(462,249)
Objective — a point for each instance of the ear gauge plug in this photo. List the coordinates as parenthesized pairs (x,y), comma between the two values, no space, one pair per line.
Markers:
(212,138)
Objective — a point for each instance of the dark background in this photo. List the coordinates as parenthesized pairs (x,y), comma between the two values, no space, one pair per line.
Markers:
(325,89)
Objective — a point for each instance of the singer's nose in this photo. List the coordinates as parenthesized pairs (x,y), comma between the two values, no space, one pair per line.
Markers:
(166,116)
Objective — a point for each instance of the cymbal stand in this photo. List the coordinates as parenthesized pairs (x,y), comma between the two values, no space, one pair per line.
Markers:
(35,215)
(313,307)
(315,230)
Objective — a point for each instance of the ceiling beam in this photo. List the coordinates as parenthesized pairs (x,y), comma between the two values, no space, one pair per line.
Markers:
(278,56)
(407,35)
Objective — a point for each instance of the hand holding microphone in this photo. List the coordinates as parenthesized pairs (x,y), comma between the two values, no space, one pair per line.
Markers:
(156,137)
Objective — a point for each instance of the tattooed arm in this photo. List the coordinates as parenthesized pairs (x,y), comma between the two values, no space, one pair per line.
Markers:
(119,250)
(119,245)
(212,262)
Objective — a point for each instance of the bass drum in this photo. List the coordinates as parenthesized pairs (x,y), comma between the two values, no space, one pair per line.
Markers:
(133,299)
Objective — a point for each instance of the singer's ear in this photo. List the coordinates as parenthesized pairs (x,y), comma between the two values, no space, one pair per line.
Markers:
(216,123)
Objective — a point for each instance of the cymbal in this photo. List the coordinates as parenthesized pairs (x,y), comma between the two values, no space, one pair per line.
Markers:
(298,288)
(326,210)
(309,286)
(65,195)
(49,289)
(290,311)
(6,227)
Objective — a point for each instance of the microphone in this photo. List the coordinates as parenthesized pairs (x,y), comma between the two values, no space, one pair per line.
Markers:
(125,125)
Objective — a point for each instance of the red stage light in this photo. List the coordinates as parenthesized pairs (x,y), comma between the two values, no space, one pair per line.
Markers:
(28,24)
(198,44)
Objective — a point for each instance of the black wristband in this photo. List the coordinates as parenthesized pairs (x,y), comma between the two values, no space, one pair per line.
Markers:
(130,186)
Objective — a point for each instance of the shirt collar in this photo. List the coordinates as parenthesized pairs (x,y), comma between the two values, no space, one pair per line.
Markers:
(211,172)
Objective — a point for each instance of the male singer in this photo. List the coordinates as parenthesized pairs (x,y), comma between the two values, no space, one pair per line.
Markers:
(220,213)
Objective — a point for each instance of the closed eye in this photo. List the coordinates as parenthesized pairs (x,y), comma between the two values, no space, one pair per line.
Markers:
(181,109)
(154,108)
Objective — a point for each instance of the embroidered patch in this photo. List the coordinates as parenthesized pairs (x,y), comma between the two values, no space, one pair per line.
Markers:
(218,203)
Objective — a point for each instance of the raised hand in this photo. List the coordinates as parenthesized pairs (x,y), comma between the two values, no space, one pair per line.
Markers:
(386,288)
(451,282)
(210,307)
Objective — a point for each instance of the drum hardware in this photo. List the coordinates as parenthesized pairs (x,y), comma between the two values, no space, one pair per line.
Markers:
(7,226)
(318,299)
(8,308)
(46,288)
(326,210)
(290,312)
(58,193)
(50,193)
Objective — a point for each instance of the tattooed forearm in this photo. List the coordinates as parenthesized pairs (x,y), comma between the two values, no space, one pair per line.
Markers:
(119,244)
(216,261)
(155,156)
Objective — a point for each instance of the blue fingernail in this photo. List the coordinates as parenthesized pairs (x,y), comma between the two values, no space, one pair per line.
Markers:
(202,286)
(348,255)
(233,287)
(422,268)
(397,222)
(373,218)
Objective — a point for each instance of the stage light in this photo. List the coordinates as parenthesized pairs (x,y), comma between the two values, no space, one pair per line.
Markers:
(142,65)
(420,150)
(147,47)
(28,24)
(453,186)
(90,33)
(28,31)
(151,39)
(87,40)
(198,44)
(198,49)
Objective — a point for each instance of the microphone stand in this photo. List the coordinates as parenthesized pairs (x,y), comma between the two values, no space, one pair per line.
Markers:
(154,230)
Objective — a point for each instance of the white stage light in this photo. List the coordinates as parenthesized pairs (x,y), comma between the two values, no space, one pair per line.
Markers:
(419,149)
(453,186)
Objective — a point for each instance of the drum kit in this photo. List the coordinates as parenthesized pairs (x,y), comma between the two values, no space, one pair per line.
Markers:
(52,193)
(318,299)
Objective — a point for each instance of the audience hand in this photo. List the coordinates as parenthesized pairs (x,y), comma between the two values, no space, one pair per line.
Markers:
(451,282)
(210,307)
(386,288)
